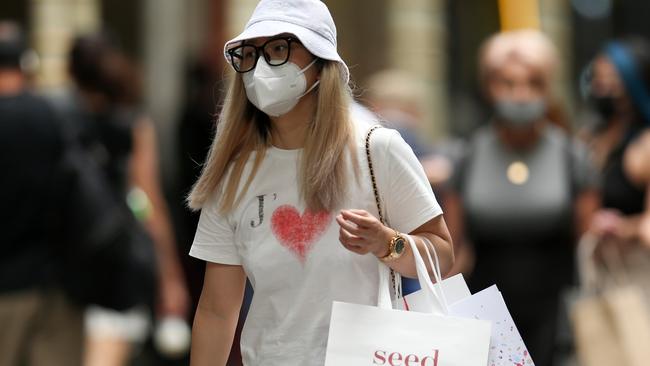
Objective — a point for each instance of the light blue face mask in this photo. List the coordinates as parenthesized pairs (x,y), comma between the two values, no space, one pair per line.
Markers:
(520,114)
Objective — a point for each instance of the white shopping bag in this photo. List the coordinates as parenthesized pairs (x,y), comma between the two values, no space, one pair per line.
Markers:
(507,348)
(367,335)
(506,345)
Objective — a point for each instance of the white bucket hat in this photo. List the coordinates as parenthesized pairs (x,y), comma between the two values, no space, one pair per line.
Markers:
(309,20)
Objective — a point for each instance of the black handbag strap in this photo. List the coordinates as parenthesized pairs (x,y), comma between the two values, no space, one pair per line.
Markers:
(372,174)
(393,278)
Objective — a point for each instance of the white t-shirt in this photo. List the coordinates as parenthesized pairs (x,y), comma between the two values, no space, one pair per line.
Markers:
(294,259)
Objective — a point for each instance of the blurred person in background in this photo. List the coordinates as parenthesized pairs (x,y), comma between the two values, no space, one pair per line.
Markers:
(522,191)
(39,324)
(119,136)
(397,97)
(618,86)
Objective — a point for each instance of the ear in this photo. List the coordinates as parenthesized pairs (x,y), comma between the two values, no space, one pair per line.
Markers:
(320,63)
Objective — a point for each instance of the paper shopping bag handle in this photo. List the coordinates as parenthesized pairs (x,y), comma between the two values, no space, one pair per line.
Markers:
(433,291)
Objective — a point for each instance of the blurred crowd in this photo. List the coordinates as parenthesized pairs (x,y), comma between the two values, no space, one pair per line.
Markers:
(94,271)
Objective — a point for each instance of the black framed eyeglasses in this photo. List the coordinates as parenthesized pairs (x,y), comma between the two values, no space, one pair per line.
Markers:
(276,52)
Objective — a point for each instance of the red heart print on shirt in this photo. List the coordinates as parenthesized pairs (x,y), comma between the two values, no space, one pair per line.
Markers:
(296,232)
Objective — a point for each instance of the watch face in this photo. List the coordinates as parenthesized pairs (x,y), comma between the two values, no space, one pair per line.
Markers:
(399,245)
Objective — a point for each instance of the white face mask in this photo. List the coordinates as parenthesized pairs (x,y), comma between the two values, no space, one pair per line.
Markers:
(275,90)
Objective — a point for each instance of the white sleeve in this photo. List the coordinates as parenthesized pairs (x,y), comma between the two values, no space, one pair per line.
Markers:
(214,240)
(408,200)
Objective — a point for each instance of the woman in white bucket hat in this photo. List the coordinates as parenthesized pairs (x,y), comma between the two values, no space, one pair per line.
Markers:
(286,197)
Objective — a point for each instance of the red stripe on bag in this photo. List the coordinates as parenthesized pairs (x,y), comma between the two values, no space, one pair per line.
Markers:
(406,304)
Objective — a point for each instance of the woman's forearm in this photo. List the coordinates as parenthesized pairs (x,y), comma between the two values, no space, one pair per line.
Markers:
(405,265)
(436,232)
(217,314)
(212,337)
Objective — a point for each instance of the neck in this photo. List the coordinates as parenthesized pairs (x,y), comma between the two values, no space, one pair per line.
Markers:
(289,131)
(519,138)
(11,82)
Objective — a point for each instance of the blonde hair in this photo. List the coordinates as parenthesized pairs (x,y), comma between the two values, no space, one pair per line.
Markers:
(529,46)
(243,130)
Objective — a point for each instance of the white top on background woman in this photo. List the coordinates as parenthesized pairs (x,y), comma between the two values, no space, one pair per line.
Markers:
(287,199)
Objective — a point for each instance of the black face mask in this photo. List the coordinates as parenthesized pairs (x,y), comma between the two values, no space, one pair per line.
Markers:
(605,106)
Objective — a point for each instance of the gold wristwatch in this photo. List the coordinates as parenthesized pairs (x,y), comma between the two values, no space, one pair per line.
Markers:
(396,247)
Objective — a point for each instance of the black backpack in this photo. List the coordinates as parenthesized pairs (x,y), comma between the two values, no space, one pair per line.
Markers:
(108,257)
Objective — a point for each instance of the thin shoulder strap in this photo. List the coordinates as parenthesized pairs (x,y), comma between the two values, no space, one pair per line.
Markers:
(395,279)
(372,174)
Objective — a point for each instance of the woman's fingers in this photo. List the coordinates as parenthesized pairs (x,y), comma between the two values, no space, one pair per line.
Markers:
(360,231)
(353,243)
(606,222)
(349,239)
(348,226)
(359,217)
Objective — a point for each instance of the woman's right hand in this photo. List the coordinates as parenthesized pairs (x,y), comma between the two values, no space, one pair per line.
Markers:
(607,223)
(614,228)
